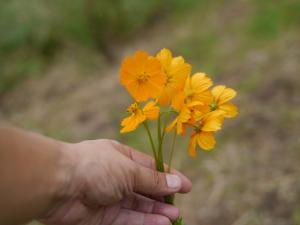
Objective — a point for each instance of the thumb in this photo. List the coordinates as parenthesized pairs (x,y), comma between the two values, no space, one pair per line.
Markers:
(151,182)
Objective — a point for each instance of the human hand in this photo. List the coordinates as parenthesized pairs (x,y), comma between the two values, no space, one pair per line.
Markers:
(108,185)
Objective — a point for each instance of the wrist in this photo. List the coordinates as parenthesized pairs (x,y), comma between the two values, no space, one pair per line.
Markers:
(60,189)
(40,164)
(64,171)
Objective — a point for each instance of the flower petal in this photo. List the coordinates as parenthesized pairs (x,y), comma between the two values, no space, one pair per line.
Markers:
(132,122)
(222,94)
(183,117)
(227,95)
(165,58)
(200,82)
(206,140)
(204,97)
(217,92)
(151,111)
(192,146)
(179,71)
(213,121)
(229,109)
(164,97)
(127,71)
(178,101)
(137,91)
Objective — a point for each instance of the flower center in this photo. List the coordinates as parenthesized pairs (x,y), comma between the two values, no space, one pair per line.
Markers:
(133,108)
(190,95)
(142,77)
(168,80)
(198,126)
(213,106)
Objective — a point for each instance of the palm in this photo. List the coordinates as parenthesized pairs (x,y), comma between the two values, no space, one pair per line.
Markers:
(134,209)
(77,212)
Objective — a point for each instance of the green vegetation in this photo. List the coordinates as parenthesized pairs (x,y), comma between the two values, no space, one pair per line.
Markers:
(271,19)
(34,31)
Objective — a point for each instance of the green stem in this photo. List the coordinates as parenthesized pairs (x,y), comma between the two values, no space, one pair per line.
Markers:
(151,140)
(160,157)
(172,151)
(169,113)
(159,137)
(170,199)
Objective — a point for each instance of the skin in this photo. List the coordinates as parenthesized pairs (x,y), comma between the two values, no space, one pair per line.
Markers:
(99,182)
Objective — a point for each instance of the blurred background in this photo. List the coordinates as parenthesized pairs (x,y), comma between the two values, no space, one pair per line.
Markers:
(59,65)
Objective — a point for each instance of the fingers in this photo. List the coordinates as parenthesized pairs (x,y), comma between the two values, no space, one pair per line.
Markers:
(71,212)
(129,217)
(147,161)
(151,182)
(145,205)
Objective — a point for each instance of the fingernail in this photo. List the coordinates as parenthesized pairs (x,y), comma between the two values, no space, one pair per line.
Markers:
(173,181)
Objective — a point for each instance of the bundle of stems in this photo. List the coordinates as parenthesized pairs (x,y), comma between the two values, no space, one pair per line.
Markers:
(158,153)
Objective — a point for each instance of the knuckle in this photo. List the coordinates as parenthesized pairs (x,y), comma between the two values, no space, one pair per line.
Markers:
(157,182)
(130,152)
(111,141)
(114,142)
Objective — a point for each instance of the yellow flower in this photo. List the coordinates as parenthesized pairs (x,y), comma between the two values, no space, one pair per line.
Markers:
(221,98)
(183,117)
(176,71)
(138,116)
(151,111)
(205,140)
(195,91)
(142,75)
(196,88)
(204,129)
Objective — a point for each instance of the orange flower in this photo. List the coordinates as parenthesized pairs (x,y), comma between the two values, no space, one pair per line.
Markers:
(195,91)
(221,98)
(138,116)
(176,71)
(183,117)
(205,140)
(196,88)
(142,76)
(204,128)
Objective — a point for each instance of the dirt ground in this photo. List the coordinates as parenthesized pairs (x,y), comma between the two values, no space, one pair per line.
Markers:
(252,177)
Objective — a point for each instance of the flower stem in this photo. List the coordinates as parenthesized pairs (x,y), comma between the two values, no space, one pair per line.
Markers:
(151,140)
(158,130)
(160,162)
(169,113)
(172,151)
(160,157)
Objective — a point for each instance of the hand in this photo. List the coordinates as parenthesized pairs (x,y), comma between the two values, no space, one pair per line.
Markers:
(108,185)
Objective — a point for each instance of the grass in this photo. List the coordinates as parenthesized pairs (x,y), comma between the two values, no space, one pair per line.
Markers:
(35,31)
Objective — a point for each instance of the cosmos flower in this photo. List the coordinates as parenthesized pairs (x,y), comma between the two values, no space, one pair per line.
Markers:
(221,97)
(176,71)
(137,115)
(142,75)
(203,131)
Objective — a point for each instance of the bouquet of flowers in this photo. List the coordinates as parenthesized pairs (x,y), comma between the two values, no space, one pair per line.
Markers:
(164,91)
